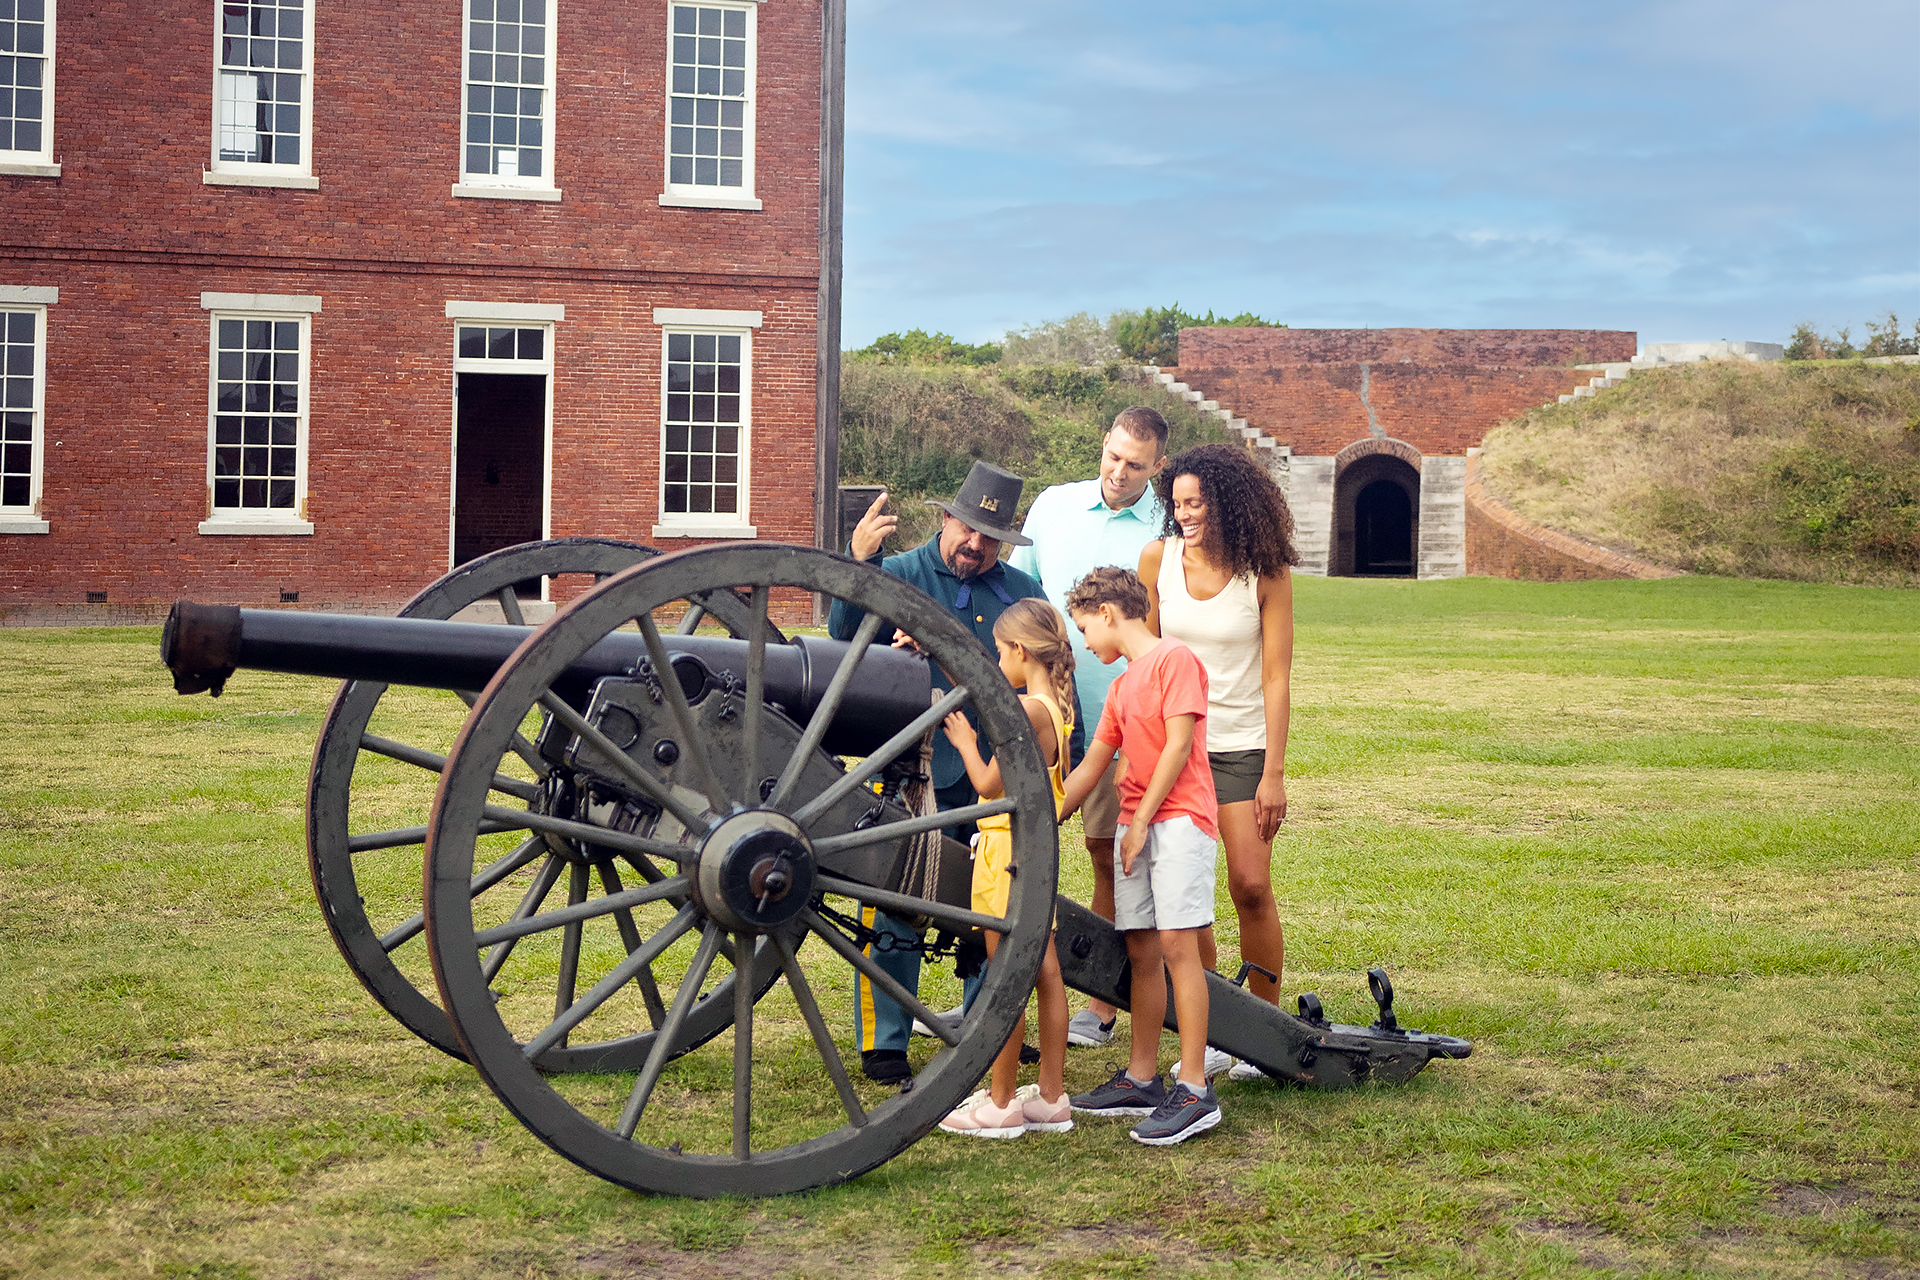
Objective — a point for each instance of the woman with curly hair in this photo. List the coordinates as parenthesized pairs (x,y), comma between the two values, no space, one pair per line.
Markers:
(1218,580)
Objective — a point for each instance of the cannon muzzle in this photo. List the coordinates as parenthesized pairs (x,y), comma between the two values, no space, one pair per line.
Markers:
(205,644)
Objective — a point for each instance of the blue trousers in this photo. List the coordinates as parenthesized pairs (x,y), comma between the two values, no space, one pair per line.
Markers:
(878,1020)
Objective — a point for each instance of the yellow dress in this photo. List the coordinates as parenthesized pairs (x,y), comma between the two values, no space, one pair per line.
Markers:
(993,854)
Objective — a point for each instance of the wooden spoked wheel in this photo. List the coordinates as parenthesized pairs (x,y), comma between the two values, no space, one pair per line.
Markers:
(371,787)
(762,843)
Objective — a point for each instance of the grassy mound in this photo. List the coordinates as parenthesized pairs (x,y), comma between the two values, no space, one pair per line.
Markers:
(918,428)
(1806,471)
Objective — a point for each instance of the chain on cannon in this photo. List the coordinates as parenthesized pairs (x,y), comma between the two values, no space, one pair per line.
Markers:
(640,837)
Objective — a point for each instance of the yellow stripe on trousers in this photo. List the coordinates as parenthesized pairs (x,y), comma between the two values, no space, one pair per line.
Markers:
(863,987)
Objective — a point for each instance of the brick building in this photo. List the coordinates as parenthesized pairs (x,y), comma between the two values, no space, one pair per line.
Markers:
(325,300)
(1368,430)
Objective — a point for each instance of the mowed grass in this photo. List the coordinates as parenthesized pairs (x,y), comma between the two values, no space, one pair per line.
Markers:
(1654,847)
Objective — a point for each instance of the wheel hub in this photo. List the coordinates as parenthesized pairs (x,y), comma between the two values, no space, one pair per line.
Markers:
(756,871)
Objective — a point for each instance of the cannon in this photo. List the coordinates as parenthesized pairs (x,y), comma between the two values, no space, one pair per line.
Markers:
(721,810)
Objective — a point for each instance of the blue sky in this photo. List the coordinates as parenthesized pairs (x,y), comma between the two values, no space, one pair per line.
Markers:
(1690,169)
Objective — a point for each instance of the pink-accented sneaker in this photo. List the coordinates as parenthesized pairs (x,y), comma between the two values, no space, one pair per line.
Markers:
(1043,1116)
(978,1117)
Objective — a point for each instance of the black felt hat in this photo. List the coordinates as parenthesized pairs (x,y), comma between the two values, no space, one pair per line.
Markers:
(986,503)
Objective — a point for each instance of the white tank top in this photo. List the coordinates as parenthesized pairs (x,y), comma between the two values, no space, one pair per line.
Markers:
(1225,632)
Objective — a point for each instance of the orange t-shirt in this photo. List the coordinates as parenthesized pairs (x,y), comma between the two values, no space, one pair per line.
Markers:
(1168,680)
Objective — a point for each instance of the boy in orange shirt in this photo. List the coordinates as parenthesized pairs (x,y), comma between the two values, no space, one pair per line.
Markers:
(1163,853)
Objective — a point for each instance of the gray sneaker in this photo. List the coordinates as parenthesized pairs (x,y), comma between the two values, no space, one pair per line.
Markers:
(951,1017)
(1087,1031)
(1182,1115)
(1122,1096)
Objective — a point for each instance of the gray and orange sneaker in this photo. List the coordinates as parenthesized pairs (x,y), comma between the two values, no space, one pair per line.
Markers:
(1184,1114)
(1122,1096)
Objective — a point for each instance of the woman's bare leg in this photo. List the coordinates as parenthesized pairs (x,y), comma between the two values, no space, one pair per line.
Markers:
(1250,885)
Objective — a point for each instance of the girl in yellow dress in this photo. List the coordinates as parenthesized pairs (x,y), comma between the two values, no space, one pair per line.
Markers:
(1034,655)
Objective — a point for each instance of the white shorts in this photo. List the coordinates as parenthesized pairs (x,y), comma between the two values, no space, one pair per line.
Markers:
(1172,882)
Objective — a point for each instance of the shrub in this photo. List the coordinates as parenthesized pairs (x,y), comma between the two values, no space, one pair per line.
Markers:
(917,346)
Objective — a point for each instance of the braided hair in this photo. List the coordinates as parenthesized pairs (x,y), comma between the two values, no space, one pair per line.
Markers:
(1035,626)
(1249,527)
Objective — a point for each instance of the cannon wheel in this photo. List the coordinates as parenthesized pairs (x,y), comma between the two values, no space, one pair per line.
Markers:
(788,1131)
(369,949)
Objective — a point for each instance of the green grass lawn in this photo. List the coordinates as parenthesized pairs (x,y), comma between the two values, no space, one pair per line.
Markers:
(1653,846)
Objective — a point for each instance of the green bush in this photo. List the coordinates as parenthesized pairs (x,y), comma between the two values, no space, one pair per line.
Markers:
(917,346)
(1850,492)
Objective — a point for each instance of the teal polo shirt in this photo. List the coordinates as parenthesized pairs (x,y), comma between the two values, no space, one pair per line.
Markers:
(1074,531)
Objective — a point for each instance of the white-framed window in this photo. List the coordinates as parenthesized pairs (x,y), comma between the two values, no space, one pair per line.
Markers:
(710,96)
(507,80)
(706,422)
(23,380)
(502,346)
(26,87)
(262,94)
(257,413)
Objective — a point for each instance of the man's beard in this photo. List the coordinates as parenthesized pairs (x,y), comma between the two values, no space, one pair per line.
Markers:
(967,562)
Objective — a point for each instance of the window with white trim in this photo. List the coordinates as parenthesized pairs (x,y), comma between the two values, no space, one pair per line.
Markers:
(706,407)
(256,464)
(26,81)
(263,94)
(508,80)
(710,75)
(22,386)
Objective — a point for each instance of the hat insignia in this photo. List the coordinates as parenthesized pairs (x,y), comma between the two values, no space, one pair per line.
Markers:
(989,504)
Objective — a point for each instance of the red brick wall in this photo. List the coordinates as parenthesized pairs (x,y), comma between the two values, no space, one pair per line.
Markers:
(131,237)
(1261,348)
(1440,390)
(133,125)
(1317,408)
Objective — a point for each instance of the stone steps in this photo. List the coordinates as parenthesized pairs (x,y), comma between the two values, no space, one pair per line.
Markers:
(1255,438)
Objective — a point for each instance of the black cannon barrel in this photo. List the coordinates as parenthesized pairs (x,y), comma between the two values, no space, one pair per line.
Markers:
(204,644)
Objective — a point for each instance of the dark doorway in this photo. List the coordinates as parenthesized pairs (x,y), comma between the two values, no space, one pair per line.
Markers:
(499,479)
(1376,518)
(1383,531)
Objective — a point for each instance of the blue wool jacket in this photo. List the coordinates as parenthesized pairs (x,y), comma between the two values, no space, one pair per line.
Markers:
(977,602)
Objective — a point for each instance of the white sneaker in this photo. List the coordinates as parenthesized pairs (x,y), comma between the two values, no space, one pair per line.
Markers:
(1217,1061)
(1245,1071)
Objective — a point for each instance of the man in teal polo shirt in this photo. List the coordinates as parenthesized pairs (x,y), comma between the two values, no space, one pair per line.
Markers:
(1072,529)
(961,568)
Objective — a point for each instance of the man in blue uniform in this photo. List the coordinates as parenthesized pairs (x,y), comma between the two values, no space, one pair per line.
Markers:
(960,567)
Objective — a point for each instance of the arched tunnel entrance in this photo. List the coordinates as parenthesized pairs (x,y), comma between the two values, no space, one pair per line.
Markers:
(1376,507)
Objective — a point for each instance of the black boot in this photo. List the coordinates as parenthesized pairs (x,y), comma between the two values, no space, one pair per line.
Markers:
(885,1066)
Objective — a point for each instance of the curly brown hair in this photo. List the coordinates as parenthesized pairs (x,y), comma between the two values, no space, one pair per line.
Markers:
(1112,585)
(1249,526)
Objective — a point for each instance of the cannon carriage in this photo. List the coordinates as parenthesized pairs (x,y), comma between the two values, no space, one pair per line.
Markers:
(720,815)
